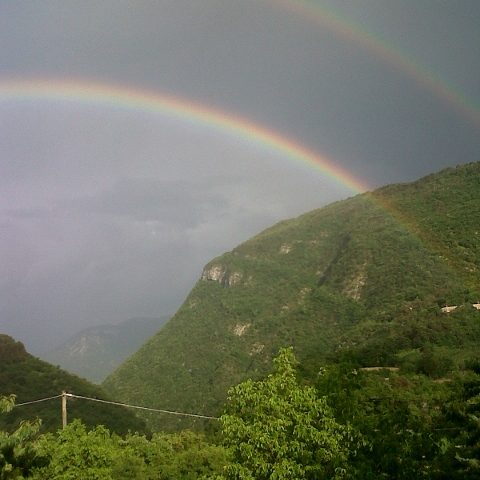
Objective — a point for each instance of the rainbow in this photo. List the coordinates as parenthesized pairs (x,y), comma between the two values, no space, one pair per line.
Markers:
(125,97)
(115,96)
(357,35)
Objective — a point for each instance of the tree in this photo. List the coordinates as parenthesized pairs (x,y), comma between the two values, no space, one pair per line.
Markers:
(79,453)
(76,453)
(278,429)
(177,456)
(18,454)
(462,415)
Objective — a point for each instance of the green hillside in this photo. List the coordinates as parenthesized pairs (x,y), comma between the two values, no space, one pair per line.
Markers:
(32,379)
(363,279)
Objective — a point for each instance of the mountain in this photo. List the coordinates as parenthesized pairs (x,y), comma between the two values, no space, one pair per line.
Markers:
(95,352)
(31,379)
(364,279)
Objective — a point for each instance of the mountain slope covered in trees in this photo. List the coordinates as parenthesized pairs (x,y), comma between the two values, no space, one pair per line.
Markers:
(32,379)
(363,279)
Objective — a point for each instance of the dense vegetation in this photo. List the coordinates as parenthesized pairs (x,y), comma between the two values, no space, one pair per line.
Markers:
(276,428)
(362,281)
(351,424)
(30,379)
(387,384)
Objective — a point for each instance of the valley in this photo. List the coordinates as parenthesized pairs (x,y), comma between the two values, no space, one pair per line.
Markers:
(352,330)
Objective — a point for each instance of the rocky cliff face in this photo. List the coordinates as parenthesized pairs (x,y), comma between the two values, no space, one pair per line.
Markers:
(222,275)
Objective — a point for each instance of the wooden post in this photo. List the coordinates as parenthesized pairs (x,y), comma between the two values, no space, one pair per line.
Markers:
(64,409)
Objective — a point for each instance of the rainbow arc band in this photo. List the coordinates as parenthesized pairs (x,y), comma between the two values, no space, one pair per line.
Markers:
(125,97)
(313,13)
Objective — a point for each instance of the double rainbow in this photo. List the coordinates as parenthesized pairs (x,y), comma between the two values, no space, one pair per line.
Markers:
(111,95)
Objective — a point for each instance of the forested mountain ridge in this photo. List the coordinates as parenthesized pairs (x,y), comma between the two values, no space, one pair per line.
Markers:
(363,279)
(32,379)
(96,351)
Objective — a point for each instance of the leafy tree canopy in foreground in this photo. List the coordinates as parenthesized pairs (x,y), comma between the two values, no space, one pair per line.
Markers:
(352,425)
(278,429)
(18,455)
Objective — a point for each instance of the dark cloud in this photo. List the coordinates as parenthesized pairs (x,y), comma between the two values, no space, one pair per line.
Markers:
(107,213)
(179,204)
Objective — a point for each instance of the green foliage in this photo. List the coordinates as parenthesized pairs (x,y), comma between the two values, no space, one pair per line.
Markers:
(96,454)
(364,278)
(18,453)
(277,429)
(7,403)
(30,379)
(424,340)
(399,417)
(185,455)
(76,453)
(461,427)
(354,424)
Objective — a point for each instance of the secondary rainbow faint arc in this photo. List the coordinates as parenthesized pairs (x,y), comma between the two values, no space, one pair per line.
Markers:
(145,100)
(357,35)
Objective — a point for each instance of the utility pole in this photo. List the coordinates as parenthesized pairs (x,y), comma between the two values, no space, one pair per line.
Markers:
(64,409)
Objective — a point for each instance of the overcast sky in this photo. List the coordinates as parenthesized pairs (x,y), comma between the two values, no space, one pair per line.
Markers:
(108,213)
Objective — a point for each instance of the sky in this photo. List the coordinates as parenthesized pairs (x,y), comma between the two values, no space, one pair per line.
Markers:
(109,208)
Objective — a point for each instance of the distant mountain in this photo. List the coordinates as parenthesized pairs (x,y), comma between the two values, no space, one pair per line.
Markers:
(32,379)
(95,352)
(363,279)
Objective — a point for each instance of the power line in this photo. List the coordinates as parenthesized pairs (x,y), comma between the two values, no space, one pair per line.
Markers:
(158,410)
(37,401)
(148,409)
